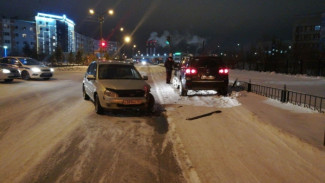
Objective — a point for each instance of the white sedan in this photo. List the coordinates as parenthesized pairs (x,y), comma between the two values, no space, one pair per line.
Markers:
(8,74)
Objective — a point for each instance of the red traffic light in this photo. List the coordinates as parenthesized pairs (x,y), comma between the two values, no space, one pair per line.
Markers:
(102,43)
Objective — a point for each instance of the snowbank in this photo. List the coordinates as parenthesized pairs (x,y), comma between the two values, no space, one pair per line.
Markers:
(71,68)
(289,106)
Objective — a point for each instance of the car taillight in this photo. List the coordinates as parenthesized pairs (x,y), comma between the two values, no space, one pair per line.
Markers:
(190,71)
(223,71)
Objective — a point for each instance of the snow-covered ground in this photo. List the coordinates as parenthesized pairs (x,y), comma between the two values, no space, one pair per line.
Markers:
(299,83)
(259,140)
(48,133)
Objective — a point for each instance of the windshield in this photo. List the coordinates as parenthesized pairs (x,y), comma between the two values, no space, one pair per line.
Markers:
(29,61)
(106,71)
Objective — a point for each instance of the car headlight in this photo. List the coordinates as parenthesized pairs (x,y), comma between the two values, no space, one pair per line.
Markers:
(109,93)
(51,69)
(35,69)
(143,62)
(5,71)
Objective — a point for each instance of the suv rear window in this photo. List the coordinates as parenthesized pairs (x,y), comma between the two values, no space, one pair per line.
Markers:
(206,62)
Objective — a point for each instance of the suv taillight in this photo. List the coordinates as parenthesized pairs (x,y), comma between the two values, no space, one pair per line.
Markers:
(223,71)
(190,71)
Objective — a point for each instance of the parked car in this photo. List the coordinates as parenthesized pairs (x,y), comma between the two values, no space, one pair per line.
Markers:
(201,73)
(116,85)
(7,73)
(29,67)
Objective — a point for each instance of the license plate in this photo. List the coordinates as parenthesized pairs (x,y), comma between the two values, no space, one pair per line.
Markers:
(131,102)
(207,77)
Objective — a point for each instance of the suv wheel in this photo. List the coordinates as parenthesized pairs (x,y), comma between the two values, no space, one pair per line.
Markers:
(84,94)
(98,107)
(182,90)
(223,91)
(25,75)
(8,80)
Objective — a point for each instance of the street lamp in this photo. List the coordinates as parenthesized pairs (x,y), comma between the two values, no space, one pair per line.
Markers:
(121,29)
(101,18)
(127,39)
(5,47)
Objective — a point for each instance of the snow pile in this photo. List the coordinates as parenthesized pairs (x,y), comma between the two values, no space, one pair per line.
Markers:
(71,68)
(210,101)
(289,106)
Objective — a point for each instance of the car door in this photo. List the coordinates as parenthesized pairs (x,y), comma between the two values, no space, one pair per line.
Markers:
(90,86)
(87,81)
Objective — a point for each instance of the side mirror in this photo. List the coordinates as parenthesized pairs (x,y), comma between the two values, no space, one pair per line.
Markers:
(91,77)
(145,77)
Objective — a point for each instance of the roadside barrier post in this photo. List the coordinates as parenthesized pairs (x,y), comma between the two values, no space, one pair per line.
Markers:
(284,94)
(249,87)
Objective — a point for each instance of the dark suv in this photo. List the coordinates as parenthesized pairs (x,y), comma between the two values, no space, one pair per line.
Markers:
(201,73)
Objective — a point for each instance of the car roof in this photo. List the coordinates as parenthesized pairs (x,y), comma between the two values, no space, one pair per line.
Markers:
(15,57)
(113,62)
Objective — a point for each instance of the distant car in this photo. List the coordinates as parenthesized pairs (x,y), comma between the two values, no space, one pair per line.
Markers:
(29,68)
(8,74)
(116,85)
(201,73)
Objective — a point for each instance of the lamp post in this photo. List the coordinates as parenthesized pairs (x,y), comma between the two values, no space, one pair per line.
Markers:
(5,48)
(101,18)
(134,46)
(127,40)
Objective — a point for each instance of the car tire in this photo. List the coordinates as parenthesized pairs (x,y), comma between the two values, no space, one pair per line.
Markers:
(98,107)
(223,91)
(8,80)
(25,75)
(84,94)
(151,103)
(182,90)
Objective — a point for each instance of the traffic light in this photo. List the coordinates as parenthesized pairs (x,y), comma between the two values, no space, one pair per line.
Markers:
(103,44)
(168,40)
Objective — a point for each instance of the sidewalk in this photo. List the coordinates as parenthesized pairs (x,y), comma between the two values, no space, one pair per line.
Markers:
(309,127)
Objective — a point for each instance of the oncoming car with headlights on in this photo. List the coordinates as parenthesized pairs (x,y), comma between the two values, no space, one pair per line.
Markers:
(29,67)
(8,74)
(115,85)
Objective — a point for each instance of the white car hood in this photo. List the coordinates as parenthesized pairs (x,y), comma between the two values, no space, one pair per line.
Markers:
(37,66)
(120,84)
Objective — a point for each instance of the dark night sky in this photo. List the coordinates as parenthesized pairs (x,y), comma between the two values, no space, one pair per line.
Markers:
(223,22)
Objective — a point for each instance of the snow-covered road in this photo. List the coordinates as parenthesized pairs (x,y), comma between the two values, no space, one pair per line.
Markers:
(48,133)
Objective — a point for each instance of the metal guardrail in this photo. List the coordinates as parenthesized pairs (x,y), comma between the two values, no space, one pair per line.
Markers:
(313,102)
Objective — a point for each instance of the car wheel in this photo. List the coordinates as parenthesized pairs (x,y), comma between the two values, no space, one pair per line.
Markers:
(84,94)
(151,103)
(223,91)
(8,80)
(25,75)
(98,107)
(182,90)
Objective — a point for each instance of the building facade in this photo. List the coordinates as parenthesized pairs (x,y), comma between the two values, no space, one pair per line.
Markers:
(307,32)
(15,35)
(54,31)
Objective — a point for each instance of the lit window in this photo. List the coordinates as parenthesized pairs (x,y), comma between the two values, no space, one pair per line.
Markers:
(317,27)
(53,37)
(24,35)
(31,28)
(53,44)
